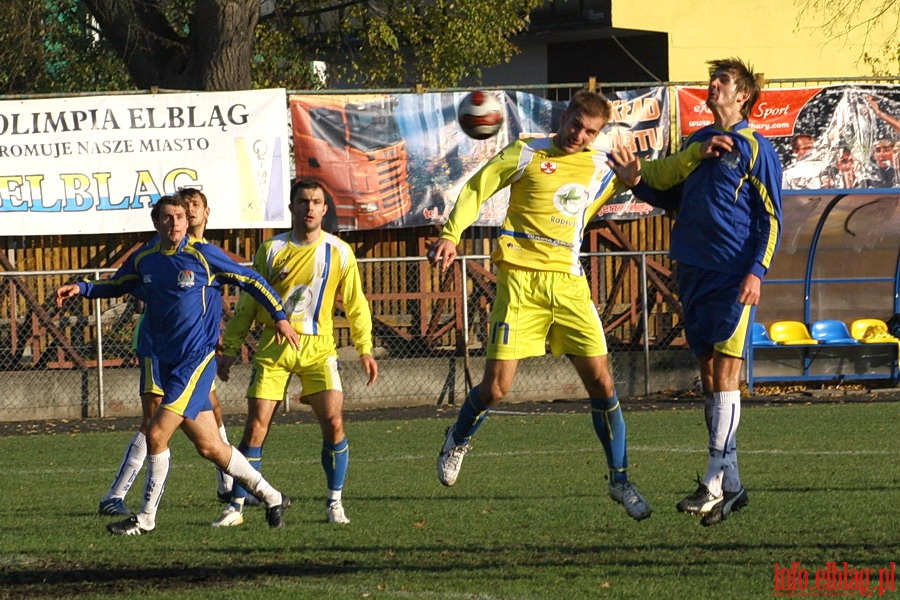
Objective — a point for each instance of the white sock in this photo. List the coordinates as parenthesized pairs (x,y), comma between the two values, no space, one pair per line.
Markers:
(241,469)
(715,467)
(731,480)
(135,453)
(726,416)
(334,496)
(224,481)
(157,473)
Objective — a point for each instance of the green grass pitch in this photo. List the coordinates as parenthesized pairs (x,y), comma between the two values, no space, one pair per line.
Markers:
(528,519)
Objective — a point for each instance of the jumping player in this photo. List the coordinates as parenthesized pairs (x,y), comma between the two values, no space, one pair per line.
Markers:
(724,239)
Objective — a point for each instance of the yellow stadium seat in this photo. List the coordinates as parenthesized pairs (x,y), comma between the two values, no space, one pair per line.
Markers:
(790,333)
(871,331)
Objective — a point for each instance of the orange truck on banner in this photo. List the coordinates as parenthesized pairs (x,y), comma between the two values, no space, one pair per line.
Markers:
(351,144)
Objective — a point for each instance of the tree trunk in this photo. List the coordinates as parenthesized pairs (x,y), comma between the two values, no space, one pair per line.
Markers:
(215,54)
(224,43)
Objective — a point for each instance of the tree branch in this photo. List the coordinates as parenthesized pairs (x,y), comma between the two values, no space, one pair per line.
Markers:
(154,54)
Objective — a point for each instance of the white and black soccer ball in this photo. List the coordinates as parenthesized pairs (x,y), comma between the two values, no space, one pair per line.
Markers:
(480,115)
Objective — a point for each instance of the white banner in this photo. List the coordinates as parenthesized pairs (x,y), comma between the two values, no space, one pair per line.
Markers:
(96,164)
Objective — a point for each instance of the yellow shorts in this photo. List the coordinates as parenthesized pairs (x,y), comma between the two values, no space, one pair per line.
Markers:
(536,307)
(315,363)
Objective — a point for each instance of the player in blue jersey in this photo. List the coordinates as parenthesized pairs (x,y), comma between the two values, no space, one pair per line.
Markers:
(309,268)
(725,235)
(180,280)
(150,390)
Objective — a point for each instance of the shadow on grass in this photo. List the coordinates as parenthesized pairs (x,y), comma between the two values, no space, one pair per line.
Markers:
(60,579)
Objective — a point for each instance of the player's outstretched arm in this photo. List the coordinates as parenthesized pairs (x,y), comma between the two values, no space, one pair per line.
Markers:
(626,165)
(70,290)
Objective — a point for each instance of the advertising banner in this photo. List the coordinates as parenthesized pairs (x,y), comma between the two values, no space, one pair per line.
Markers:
(840,136)
(399,160)
(95,164)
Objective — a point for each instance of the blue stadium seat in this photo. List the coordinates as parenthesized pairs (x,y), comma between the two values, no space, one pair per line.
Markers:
(761,336)
(829,331)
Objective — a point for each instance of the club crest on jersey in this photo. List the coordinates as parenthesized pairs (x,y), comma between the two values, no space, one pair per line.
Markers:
(570,199)
(732,159)
(298,300)
(185,278)
(548,167)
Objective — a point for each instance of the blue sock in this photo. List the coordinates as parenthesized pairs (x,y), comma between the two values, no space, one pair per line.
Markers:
(470,418)
(335,458)
(254,457)
(606,415)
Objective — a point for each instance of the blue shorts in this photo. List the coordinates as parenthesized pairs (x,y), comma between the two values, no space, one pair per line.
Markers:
(713,318)
(186,385)
(150,383)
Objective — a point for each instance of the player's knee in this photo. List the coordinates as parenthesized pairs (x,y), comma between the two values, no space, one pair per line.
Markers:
(491,391)
(332,428)
(255,432)
(602,387)
(208,451)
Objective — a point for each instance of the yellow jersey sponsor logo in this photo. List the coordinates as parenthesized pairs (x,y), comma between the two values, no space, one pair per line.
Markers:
(570,199)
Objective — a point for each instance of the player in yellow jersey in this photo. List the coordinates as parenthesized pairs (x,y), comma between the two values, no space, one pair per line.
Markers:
(309,268)
(557,185)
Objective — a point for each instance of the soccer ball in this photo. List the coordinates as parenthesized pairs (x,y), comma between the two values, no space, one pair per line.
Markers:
(480,115)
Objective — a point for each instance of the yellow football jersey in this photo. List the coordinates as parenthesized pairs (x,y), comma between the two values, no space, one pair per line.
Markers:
(308,278)
(552,197)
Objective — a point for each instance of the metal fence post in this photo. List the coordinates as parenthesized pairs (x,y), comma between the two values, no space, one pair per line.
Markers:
(101,404)
(645,322)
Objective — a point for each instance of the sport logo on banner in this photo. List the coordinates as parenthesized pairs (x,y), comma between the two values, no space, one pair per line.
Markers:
(841,137)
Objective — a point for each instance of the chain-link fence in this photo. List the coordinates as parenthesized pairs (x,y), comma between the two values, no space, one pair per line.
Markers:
(429,332)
